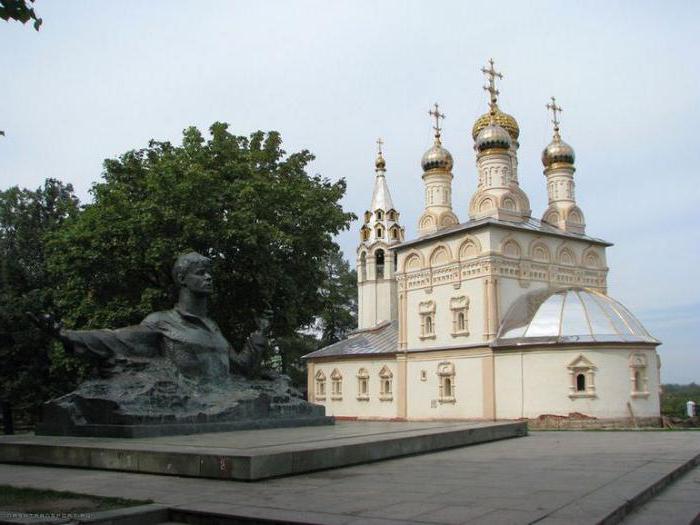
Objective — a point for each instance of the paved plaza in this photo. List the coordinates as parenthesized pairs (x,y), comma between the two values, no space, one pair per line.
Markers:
(546,477)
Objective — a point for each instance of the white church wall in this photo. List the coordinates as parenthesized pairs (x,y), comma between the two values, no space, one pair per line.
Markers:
(533,383)
(445,333)
(424,400)
(351,403)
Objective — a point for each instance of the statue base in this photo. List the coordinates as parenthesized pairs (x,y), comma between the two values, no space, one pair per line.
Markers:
(133,404)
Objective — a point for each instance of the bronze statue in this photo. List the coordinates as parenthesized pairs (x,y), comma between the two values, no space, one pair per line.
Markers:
(173,370)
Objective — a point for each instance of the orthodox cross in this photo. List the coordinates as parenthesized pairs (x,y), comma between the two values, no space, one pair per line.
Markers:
(555,109)
(437,115)
(379,146)
(492,74)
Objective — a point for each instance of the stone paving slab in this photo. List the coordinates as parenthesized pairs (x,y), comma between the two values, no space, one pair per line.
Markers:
(679,504)
(546,477)
(257,454)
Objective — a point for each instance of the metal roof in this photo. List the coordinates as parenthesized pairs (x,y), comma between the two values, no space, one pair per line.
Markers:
(531,224)
(381,339)
(571,315)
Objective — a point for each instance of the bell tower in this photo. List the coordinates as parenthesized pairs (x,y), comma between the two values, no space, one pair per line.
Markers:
(376,265)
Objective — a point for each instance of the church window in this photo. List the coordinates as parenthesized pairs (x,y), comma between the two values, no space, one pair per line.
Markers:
(580,383)
(638,375)
(336,385)
(368,216)
(362,384)
(426,311)
(423,375)
(320,386)
(379,259)
(446,374)
(460,311)
(394,233)
(380,232)
(363,266)
(380,215)
(364,233)
(582,376)
(385,384)
(392,215)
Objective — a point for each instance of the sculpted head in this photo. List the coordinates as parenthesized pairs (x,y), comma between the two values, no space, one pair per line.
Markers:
(192,271)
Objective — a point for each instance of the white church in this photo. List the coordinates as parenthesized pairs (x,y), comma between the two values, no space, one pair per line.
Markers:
(503,316)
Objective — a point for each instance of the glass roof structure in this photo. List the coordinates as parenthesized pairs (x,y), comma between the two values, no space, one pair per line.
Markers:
(572,315)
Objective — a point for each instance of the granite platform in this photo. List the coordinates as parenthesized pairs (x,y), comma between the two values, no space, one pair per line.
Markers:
(250,455)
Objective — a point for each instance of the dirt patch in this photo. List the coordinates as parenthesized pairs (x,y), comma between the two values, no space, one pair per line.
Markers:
(34,501)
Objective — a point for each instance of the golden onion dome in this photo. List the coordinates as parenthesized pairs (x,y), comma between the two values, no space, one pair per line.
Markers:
(437,157)
(380,163)
(558,151)
(504,120)
(492,136)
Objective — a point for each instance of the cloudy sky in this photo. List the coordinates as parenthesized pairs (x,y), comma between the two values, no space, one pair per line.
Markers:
(102,77)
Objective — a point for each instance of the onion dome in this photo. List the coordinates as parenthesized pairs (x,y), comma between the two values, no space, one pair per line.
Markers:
(437,157)
(558,151)
(380,163)
(493,136)
(504,120)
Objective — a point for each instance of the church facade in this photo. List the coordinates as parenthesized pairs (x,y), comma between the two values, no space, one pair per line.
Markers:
(504,316)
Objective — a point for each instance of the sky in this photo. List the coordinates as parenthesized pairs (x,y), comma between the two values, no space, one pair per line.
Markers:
(103,77)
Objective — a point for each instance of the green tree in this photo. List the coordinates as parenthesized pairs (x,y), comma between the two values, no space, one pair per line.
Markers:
(338,314)
(266,224)
(19,10)
(28,375)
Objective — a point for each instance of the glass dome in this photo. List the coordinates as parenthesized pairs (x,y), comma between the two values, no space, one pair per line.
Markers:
(572,315)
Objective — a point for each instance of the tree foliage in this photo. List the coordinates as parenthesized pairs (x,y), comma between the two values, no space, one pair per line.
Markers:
(674,398)
(19,10)
(266,224)
(26,219)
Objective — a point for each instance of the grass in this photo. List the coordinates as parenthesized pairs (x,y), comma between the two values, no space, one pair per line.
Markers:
(35,500)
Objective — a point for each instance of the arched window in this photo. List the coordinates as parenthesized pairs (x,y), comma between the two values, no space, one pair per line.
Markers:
(460,308)
(380,215)
(336,385)
(461,322)
(363,384)
(379,259)
(320,393)
(363,266)
(385,384)
(380,232)
(446,375)
(639,376)
(582,373)
(426,310)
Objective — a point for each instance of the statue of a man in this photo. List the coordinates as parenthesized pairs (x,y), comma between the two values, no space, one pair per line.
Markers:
(184,335)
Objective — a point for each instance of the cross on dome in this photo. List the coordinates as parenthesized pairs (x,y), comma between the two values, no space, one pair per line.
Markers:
(555,109)
(437,115)
(380,142)
(492,74)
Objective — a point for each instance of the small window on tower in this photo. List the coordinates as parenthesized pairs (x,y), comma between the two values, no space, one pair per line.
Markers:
(379,258)
(380,215)
(380,232)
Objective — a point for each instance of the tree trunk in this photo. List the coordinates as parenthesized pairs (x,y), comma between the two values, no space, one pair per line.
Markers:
(7,424)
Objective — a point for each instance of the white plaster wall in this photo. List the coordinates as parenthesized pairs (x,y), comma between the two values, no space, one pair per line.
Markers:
(533,383)
(423,396)
(441,295)
(349,405)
